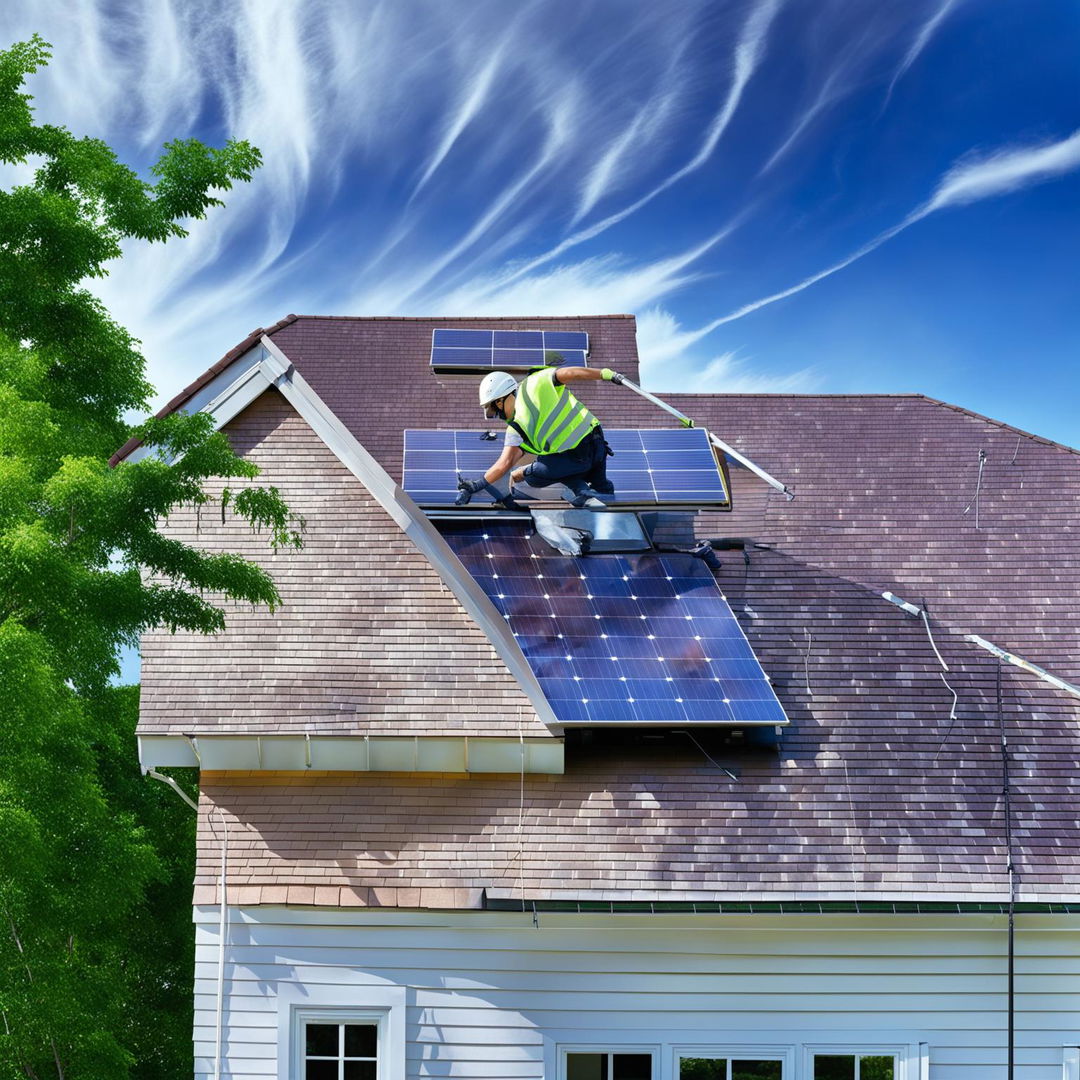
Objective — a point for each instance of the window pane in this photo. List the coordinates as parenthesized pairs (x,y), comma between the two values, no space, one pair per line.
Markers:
(756,1070)
(702,1069)
(834,1066)
(321,1039)
(586,1067)
(361,1040)
(360,1070)
(876,1068)
(320,1070)
(633,1067)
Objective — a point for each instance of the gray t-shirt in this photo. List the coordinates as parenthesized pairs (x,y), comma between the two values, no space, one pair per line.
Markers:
(513,437)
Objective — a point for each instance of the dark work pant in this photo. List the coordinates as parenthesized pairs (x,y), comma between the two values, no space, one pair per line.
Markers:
(583,466)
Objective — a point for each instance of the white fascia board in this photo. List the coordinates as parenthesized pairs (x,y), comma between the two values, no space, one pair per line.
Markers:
(353,753)
(401,507)
(230,392)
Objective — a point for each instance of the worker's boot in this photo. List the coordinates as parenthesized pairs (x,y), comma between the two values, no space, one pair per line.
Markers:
(586,498)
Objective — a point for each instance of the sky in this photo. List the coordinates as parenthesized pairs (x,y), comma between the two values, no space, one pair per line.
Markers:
(810,196)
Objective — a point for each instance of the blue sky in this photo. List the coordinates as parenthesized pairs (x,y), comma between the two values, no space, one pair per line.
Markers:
(702,165)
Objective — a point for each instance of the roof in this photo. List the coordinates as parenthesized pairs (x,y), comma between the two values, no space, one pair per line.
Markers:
(874,788)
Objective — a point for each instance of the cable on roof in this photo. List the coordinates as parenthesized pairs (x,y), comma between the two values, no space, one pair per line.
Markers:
(921,612)
(1016,450)
(851,809)
(978,487)
(806,659)
(705,753)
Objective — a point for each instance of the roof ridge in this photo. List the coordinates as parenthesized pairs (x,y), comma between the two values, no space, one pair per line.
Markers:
(1000,423)
(435,318)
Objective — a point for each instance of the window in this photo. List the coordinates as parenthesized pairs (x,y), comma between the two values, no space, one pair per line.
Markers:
(608,1066)
(731,1068)
(855,1067)
(340,1033)
(340,1051)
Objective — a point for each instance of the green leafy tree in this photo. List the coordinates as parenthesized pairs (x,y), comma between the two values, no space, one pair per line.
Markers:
(84,571)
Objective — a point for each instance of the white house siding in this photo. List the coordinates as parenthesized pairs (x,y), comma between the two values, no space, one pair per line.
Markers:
(490,995)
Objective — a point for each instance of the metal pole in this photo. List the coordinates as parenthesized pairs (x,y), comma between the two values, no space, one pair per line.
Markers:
(1026,665)
(222,909)
(1011,868)
(716,441)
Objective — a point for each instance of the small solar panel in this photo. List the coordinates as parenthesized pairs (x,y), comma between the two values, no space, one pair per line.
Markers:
(619,639)
(651,467)
(507,350)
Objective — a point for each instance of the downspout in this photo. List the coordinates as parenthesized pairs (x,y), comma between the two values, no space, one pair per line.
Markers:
(222,925)
(1011,870)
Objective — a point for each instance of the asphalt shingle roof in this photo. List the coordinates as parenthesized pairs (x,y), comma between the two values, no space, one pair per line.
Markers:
(874,788)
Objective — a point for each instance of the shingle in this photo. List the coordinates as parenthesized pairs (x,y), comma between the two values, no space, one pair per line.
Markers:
(873,790)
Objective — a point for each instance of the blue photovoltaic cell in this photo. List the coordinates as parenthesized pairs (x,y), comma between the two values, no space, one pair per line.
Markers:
(520,339)
(513,350)
(619,639)
(649,467)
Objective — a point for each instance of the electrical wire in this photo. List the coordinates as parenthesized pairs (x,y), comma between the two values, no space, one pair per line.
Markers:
(710,760)
(978,487)
(806,660)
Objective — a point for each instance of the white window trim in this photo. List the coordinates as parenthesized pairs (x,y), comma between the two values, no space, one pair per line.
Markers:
(608,1046)
(341,1005)
(785,1054)
(907,1056)
(1070,1063)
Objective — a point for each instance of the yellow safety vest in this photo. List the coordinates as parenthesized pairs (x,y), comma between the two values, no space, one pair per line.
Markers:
(548,417)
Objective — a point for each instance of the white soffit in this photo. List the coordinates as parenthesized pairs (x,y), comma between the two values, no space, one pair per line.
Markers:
(351,753)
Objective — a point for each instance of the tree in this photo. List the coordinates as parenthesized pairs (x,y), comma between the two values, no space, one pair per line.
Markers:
(83,571)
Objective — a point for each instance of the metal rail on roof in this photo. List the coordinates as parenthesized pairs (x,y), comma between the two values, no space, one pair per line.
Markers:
(719,443)
(1026,665)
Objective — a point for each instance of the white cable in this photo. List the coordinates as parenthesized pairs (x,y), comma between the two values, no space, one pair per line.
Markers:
(926,623)
(521,824)
(806,659)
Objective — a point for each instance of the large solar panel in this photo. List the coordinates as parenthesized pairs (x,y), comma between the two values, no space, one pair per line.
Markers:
(650,467)
(507,350)
(619,640)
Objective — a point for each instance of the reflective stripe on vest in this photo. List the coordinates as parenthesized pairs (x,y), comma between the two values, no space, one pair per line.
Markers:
(551,419)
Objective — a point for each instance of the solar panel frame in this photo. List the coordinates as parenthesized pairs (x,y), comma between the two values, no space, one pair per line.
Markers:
(646,470)
(621,640)
(469,351)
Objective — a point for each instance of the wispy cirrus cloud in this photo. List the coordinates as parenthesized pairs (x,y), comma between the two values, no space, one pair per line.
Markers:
(922,38)
(669,363)
(970,180)
(551,157)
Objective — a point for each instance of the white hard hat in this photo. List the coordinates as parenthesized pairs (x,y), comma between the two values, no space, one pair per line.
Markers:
(496,385)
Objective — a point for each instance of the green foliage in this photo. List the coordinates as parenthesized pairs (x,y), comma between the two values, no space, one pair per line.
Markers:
(94,861)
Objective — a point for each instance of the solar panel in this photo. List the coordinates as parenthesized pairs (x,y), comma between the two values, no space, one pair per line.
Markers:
(659,467)
(507,350)
(619,639)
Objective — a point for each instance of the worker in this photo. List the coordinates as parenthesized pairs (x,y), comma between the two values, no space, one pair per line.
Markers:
(545,419)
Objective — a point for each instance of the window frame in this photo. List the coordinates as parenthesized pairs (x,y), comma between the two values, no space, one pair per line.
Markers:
(784,1053)
(906,1059)
(303,1017)
(610,1046)
(342,1005)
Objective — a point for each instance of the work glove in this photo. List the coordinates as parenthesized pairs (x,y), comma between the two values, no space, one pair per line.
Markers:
(508,502)
(612,376)
(467,489)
